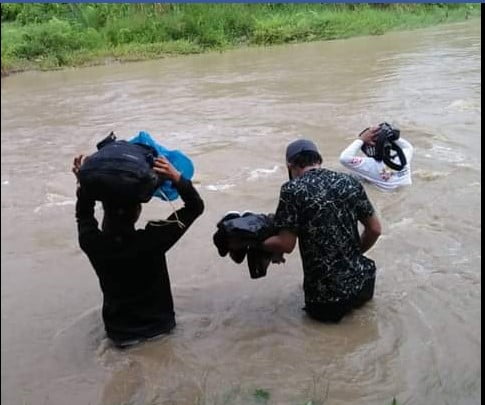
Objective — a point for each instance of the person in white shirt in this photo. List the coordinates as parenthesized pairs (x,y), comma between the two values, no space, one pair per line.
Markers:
(374,170)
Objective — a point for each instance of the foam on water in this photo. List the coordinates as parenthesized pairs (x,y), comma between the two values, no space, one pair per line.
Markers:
(465,105)
(219,187)
(55,200)
(258,173)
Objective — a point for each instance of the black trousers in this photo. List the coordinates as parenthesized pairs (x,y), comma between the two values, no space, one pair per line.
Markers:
(334,312)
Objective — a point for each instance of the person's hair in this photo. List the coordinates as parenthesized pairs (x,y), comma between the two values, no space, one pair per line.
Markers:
(305,159)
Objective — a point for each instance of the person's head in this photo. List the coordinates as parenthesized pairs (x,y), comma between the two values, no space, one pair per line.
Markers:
(302,155)
(120,217)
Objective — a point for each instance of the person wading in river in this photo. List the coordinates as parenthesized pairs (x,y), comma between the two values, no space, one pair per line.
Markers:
(377,171)
(321,209)
(130,264)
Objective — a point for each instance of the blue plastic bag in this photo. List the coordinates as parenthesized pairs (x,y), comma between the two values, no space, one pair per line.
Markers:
(181,162)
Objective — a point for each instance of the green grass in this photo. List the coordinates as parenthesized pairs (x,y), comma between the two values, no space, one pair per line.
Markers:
(50,36)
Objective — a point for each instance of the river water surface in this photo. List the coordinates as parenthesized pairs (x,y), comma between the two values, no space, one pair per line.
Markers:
(239,340)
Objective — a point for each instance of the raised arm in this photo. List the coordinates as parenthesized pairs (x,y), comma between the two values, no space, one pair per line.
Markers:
(87,225)
(166,233)
(349,156)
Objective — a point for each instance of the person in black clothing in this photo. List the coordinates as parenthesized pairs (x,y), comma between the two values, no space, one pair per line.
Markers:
(130,264)
(321,209)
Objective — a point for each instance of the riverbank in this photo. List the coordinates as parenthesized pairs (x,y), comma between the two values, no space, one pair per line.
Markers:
(53,36)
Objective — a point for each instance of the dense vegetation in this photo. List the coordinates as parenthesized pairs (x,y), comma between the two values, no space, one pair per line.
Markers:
(51,35)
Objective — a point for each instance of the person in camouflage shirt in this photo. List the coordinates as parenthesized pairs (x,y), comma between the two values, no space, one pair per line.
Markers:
(321,209)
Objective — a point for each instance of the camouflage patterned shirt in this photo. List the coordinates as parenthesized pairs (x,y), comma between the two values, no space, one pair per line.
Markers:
(323,207)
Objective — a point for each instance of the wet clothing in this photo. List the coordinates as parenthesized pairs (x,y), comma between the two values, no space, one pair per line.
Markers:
(322,208)
(377,172)
(335,311)
(249,230)
(132,270)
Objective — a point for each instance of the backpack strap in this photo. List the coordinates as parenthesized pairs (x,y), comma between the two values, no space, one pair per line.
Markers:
(110,138)
(388,159)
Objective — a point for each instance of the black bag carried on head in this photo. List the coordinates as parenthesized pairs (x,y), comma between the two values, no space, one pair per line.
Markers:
(120,172)
(386,149)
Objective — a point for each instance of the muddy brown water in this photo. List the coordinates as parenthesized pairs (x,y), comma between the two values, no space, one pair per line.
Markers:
(239,339)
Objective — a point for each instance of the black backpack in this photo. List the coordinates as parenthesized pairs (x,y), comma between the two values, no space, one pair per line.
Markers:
(386,149)
(120,172)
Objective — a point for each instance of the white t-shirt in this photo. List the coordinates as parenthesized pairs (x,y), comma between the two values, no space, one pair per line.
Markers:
(376,172)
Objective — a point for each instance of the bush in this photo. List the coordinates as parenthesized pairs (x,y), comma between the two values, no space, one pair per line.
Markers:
(33,13)
(10,11)
(54,38)
(137,29)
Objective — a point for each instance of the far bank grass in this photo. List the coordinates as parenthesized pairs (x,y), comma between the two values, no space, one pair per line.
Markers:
(37,36)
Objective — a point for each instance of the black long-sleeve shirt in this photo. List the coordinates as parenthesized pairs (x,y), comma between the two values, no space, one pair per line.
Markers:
(132,270)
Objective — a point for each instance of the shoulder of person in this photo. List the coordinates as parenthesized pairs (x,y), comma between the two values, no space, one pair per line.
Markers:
(339,176)
(289,185)
(351,180)
(291,189)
